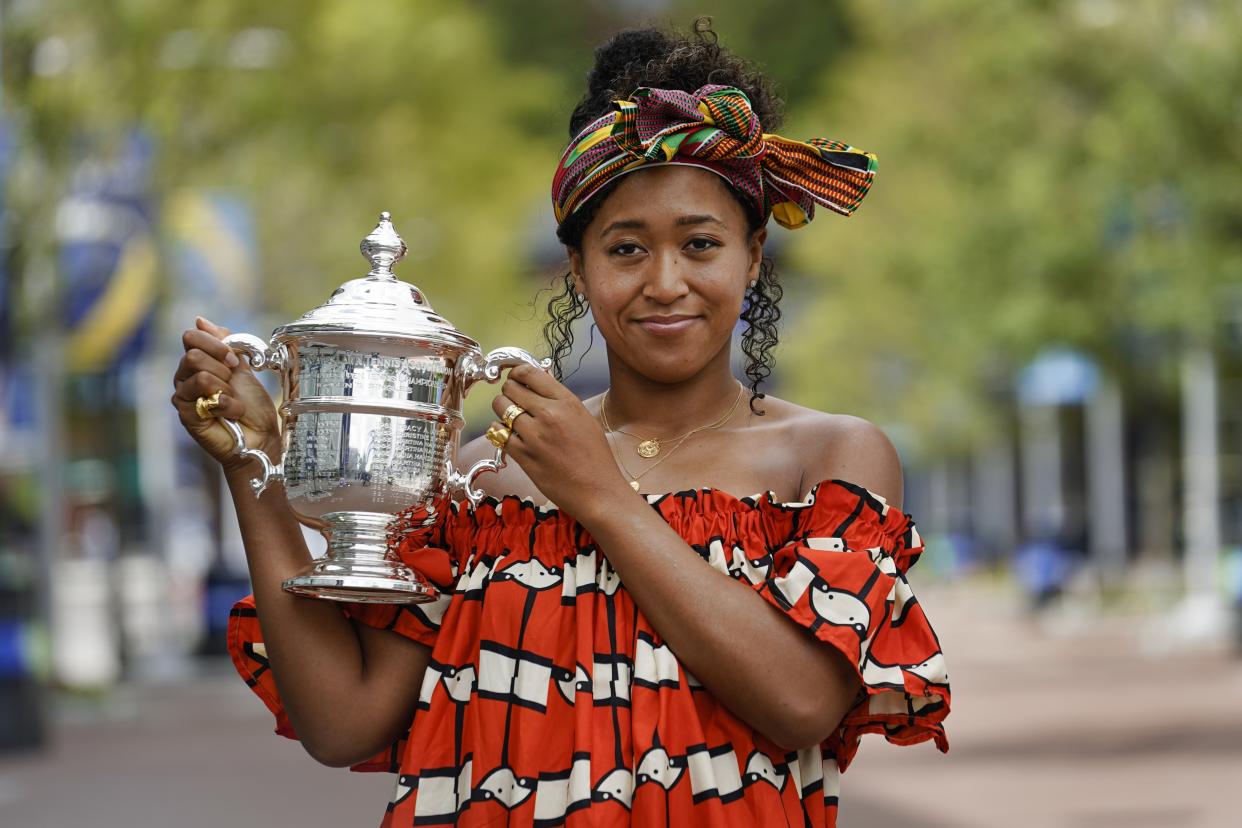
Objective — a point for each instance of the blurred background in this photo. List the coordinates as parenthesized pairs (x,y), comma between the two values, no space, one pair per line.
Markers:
(1040,302)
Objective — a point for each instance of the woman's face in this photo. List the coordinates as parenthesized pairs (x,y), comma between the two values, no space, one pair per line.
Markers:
(665,264)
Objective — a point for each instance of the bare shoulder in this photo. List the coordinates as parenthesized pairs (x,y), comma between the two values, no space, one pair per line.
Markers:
(842,447)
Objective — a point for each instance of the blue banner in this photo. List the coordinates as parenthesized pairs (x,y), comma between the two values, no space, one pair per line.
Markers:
(108,258)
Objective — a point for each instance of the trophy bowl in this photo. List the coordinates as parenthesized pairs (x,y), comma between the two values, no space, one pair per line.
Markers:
(373,383)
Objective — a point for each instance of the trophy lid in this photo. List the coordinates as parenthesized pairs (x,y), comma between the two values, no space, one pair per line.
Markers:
(379,304)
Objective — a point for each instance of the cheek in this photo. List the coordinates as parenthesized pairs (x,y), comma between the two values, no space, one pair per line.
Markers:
(725,289)
(609,290)
(608,302)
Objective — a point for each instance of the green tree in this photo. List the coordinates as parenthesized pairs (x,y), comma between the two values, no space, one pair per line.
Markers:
(320,114)
(1050,172)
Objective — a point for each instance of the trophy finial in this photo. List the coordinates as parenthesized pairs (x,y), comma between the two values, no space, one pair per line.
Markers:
(383,248)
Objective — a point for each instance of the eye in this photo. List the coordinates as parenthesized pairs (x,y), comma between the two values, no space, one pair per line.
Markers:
(701,244)
(625,249)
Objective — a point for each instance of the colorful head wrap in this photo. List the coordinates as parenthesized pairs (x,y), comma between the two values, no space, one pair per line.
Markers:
(716,129)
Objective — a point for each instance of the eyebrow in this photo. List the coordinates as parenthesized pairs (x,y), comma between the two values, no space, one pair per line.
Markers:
(682,221)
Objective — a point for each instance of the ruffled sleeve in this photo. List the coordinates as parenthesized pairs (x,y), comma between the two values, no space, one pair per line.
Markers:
(419,622)
(842,575)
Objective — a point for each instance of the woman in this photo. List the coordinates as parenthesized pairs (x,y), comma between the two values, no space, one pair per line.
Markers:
(598,656)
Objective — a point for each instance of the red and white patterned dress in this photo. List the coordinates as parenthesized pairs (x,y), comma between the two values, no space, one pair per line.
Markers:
(551,701)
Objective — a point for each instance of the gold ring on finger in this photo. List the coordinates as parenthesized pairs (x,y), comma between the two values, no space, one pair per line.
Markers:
(511,414)
(205,405)
(498,436)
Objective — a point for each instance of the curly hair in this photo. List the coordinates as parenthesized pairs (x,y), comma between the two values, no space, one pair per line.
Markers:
(669,60)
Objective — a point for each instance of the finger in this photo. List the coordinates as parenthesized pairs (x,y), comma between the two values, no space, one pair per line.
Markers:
(196,360)
(204,385)
(538,380)
(200,384)
(513,437)
(501,404)
(229,408)
(515,392)
(516,448)
(211,345)
(185,410)
(204,324)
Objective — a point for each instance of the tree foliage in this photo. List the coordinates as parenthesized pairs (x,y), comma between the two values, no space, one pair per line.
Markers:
(1054,172)
(322,114)
(1062,171)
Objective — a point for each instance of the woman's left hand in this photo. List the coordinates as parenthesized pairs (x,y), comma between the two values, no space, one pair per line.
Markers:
(558,443)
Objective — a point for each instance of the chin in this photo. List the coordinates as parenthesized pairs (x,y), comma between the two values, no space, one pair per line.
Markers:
(670,368)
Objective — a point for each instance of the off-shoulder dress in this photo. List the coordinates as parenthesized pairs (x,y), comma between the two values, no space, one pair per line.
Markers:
(551,701)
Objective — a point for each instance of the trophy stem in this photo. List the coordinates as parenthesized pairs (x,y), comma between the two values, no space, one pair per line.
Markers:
(358,567)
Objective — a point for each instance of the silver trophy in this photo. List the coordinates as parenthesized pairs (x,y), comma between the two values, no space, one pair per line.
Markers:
(373,382)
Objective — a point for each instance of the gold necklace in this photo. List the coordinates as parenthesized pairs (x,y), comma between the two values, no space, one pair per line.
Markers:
(679,441)
(649,447)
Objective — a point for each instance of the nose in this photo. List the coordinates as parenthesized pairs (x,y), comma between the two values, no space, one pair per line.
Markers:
(666,282)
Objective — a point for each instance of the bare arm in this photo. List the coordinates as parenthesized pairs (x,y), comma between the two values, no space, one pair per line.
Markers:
(767,670)
(771,673)
(349,690)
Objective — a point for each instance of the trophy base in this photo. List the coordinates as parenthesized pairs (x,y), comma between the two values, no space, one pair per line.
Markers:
(358,567)
(360,589)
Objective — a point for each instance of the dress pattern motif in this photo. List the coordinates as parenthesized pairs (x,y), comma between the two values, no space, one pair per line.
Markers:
(550,700)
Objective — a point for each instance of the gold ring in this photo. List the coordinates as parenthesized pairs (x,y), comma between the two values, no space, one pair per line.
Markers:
(205,405)
(498,436)
(511,414)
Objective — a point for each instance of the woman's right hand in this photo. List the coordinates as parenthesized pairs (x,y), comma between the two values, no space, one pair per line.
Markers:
(209,366)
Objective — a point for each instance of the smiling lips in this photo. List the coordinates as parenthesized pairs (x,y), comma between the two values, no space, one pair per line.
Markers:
(663,325)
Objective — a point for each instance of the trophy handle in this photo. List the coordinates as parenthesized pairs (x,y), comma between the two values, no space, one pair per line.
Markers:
(255,350)
(496,361)
(260,357)
(457,480)
(472,370)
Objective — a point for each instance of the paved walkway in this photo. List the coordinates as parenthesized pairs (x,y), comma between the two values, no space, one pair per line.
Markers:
(1050,729)
(1070,722)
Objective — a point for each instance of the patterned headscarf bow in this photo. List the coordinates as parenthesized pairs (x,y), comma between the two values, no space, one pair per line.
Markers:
(714,128)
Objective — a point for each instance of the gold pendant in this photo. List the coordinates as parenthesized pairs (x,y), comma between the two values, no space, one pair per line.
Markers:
(649,448)
(634,485)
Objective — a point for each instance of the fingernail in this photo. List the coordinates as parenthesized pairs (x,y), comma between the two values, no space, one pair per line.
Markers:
(231,360)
